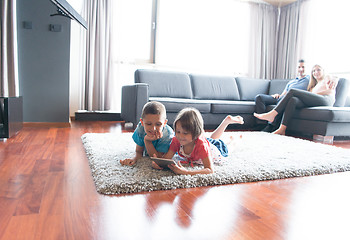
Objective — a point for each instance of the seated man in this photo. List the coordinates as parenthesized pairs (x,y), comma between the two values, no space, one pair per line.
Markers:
(263,100)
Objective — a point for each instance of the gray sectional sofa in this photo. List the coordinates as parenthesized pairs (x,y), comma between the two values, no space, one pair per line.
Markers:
(217,96)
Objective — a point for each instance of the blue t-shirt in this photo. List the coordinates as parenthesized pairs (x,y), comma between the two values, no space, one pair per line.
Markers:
(161,145)
(298,83)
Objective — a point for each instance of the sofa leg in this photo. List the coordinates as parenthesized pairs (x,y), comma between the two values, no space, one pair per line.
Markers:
(323,139)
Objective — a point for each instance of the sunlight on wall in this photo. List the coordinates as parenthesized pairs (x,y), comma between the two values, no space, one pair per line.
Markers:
(327,36)
(75,59)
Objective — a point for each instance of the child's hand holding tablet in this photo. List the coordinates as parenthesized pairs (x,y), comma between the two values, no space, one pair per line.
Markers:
(162,162)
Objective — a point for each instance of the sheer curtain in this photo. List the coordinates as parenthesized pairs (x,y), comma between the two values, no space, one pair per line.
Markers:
(275,40)
(97,77)
(105,57)
(8,52)
(263,41)
(288,37)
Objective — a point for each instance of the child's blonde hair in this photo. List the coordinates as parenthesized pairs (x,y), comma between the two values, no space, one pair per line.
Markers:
(191,120)
(154,107)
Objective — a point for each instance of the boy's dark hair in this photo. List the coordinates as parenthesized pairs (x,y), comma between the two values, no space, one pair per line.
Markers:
(301,61)
(191,120)
(153,108)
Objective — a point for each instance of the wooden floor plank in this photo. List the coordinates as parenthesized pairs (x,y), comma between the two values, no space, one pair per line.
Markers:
(7,209)
(30,202)
(21,228)
(47,192)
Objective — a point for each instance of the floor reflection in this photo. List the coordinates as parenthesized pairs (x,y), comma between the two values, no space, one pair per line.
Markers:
(181,200)
(195,213)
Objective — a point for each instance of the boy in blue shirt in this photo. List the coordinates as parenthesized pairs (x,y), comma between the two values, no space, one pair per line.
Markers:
(152,135)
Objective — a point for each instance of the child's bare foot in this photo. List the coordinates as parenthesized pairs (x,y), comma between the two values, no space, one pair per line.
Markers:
(234,119)
(269,116)
(230,141)
(233,142)
(227,121)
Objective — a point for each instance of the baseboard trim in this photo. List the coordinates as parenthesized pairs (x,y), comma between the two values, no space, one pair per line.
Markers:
(83,115)
(47,124)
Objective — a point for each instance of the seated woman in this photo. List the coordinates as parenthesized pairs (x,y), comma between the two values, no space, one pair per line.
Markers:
(320,92)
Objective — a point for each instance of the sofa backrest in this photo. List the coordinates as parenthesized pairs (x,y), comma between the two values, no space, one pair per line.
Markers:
(347,102)
(214,87)
(342,92)
(277,86)
(249,87)
(165,83)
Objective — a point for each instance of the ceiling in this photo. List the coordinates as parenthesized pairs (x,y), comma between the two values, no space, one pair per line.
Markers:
(279,3)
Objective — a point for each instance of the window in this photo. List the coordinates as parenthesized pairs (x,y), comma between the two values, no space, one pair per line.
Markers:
(204,35)
(327,36)
(76,69)
(132,30)
(76,4)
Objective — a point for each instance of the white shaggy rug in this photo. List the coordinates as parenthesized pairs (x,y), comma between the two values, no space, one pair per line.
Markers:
(256,156)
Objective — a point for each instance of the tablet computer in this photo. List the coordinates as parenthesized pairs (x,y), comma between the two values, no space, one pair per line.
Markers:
(163,162)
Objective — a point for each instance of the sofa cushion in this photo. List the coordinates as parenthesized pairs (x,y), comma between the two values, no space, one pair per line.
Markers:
(248,87)
(165,83)
(324,113)
(214,87)
(232,107)
(342,92)
(277,86)
(177,104)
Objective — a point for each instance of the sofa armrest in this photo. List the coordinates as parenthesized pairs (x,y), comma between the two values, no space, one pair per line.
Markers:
(134,97)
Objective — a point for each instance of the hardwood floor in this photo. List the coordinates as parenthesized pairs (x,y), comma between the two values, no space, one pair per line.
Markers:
(47,192)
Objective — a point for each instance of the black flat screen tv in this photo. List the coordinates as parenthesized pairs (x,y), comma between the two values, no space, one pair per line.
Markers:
(65,9)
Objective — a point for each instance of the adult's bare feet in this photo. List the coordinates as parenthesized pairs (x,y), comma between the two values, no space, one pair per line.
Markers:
(269,116)
(281,130)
